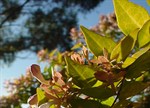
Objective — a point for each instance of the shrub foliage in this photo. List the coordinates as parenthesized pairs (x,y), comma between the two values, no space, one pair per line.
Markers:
(105,73)
(102,70)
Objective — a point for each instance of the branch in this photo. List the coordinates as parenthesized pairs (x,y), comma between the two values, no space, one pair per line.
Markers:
(14,11)
(122,82)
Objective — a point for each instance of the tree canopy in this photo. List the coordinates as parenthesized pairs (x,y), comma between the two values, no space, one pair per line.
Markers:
(37,24)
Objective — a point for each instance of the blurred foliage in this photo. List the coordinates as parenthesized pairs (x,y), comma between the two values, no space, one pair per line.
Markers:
(37,24)
(19,90)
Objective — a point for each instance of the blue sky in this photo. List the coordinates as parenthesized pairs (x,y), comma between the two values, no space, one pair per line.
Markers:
(20,65)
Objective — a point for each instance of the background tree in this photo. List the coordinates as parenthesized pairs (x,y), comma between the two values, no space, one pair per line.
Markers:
(37,24)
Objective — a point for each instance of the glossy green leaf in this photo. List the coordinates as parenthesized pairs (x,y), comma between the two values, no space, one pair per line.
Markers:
(144,34)
(98,92)
(131,88)
(124,47)
(130,16)
(82,75)
(139,66)
(135,56)
(41,96)
(97,43)
(82,103)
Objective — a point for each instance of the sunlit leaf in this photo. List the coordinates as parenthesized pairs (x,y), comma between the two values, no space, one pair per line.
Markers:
(124,47)
(139,66)
(98,83)
(53,52)
(36,72)
(82,75)
(41,96)
(98,92)
(52,106)
(130,16)
(135,56)
(109,101)
(76,46)
(59,57)
(131,88)
(144,34)
(97,43)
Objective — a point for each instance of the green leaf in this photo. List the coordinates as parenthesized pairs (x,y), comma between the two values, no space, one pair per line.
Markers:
(52,106)
(97,43)
(109,101)
(82,103)
(98,83)
(53,52)
(124,47)
(130,16)
(139,66)
(98,92)
(41,96)
(144,34)
(131,88)
(135,56)
(76,46)
(82,75)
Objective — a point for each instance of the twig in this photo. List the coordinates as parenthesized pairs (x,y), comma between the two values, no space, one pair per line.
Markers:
(122,82)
